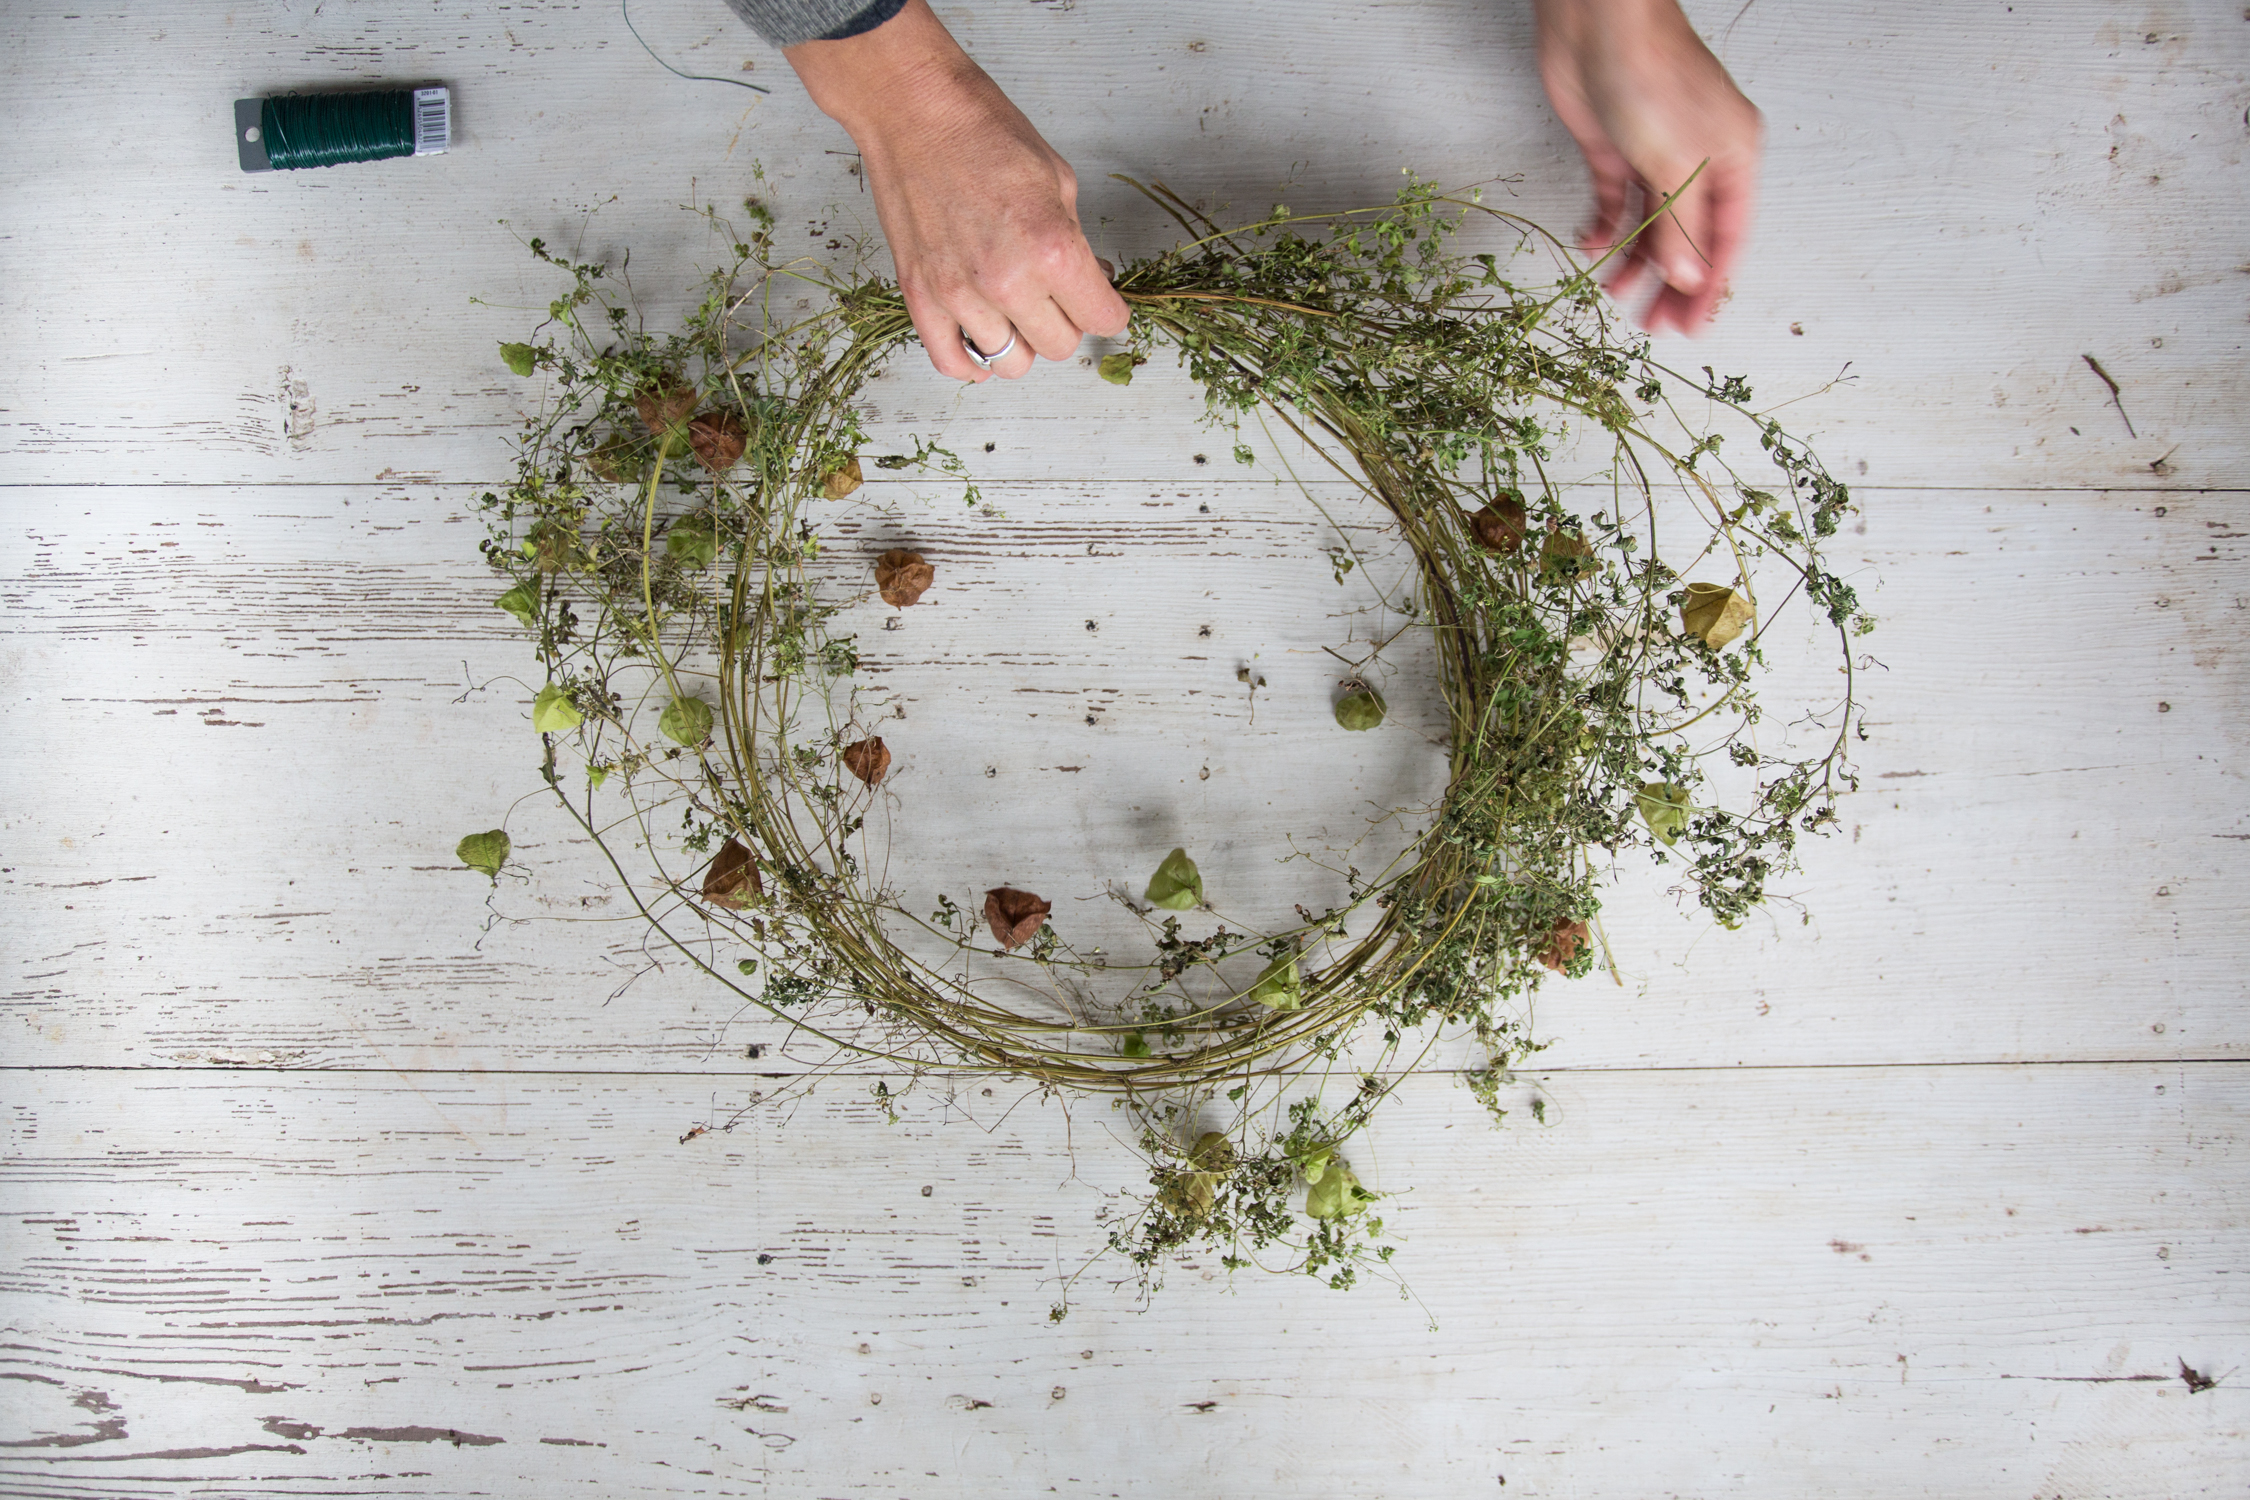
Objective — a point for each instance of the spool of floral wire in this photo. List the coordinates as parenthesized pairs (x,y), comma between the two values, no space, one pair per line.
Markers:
(326,130)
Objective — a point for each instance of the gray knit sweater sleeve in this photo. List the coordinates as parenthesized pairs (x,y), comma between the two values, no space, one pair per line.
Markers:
(785,23)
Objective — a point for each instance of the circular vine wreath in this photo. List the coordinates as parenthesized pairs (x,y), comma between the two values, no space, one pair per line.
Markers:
(663,541)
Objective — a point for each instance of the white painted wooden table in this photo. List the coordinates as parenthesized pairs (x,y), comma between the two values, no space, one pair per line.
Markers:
(313,1187)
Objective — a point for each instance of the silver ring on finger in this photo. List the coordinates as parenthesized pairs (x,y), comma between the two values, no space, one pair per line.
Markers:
(982,360)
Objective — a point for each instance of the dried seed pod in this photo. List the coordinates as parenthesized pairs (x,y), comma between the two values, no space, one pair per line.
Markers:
(1564,943)
(1715,613)
(664,404)
(618,460)
(1335,1193)
(1213,1150)
(686,721)
(718,438)
(1565,555)
(1500,526)
(1281,986)
(840,482)
(1664,807)
(869,760)
(732,878)
(1190,1194)
(1177,884)
(693,540)
(1014,916)
(1361,707)
(902,576)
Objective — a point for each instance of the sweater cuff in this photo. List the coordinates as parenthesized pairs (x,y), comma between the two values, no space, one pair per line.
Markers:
(785,23)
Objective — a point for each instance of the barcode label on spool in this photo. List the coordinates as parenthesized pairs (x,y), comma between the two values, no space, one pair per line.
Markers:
(433,121)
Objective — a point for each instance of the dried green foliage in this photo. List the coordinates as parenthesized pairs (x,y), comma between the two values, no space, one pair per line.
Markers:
(1595,700)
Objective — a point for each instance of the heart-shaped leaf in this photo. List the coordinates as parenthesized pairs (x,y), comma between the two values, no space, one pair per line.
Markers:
(522,601)
(1336,1194)
(486,851)
(1715,613)
(552,712)
(1281,986)
(1664,807)
(686,720)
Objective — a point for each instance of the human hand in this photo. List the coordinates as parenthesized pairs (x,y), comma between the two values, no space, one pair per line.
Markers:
(1647,103)
(981,214)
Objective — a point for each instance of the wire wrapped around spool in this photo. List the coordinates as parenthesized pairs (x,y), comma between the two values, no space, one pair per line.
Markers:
(292,131)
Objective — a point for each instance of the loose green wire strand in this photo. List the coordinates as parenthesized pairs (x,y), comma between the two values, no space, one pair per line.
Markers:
(625,9)
(326,130)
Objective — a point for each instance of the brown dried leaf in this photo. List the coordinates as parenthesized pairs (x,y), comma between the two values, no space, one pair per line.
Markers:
(902,576)
(1564,943)
(664,405)
(718,438)
(869,760)
(732,879)
(1500,526)
(1014,916)
(840,482)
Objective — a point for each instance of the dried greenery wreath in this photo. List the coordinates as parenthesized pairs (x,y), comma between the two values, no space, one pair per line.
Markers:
(662,542)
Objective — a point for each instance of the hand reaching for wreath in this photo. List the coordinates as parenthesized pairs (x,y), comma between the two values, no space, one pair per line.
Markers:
(980,212)
(1647,103)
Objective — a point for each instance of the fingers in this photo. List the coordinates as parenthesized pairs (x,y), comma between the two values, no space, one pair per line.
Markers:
(940,333)
(1082,294)
(1715,220)
(992,331)
(1611,178)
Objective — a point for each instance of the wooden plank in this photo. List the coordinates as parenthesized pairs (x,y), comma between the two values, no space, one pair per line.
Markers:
(263,699)
(1960,205)
(1880,1282)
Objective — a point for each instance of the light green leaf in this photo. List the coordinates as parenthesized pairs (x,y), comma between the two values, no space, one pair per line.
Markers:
(1177,884)
(687,721)
(693,542)
(1337,1194)
(522,601)
(596,775)
(552,712)
(520,357)
(1117,369)
(1664,807)
(484,851)
(1361,708)
(1134,1045)
(1281,986)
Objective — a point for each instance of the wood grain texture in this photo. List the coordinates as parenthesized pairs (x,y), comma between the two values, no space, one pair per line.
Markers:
(1960,205)
(325,1178)
(307,694)
(1881,1282)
